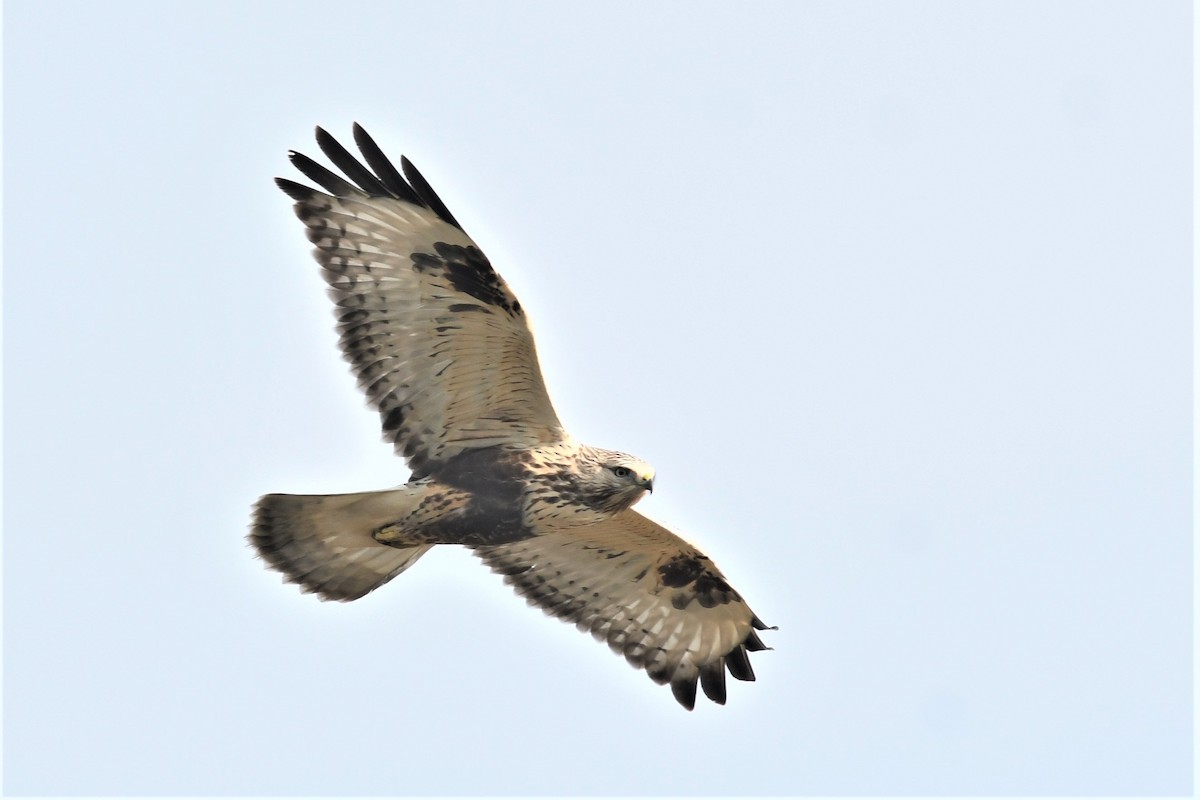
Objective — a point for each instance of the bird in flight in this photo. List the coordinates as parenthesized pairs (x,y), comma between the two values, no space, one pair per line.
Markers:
(443,350)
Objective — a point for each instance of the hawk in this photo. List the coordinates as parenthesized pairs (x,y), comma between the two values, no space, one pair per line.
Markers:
(443,349)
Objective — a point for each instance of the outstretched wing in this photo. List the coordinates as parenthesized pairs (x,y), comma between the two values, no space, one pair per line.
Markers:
(438,342)
(650,595)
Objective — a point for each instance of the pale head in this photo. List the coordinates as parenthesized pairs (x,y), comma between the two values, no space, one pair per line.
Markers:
(613,481)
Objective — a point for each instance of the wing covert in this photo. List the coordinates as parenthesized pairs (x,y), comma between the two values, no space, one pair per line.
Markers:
(647,593)
(438,342)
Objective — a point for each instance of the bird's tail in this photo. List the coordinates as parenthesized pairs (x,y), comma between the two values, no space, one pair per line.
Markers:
(325,544)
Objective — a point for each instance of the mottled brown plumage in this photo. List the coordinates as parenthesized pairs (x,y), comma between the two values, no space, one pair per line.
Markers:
(443,351)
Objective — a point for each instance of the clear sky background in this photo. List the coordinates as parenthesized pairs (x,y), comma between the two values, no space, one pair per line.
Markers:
(896,296)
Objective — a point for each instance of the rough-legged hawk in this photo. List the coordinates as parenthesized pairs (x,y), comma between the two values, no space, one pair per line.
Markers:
(443,350)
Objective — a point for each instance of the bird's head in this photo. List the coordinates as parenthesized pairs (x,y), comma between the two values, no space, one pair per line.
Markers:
(615,481)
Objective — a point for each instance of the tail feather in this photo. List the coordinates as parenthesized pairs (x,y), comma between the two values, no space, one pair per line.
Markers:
(324,543)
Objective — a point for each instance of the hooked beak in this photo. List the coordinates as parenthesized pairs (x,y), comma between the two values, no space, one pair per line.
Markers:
(648,484)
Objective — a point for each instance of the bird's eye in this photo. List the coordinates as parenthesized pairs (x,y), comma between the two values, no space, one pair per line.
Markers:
(621,472)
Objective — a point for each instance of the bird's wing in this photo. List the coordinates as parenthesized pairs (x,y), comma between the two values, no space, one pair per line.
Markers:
(438,342)
(650,595)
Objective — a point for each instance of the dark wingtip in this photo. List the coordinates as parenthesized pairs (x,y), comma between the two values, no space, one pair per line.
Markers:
(387,172)
(328,180)
(350,166)
(739,664)
(386,180)
(712,680)
(685,692)
(297,191)
(753,643)
(426,192)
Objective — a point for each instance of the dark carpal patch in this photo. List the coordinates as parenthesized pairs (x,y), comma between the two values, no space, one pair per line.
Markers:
(680,570)
(696,581)
(711,590)
(468,271)
(425,262)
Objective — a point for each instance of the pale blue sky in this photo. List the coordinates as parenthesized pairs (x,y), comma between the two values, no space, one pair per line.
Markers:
(896,297)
